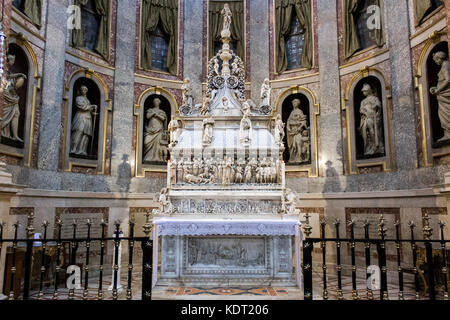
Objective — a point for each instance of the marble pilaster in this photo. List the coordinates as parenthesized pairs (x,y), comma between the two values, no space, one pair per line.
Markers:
(193,43)
(259,45)
(52,85)
(330,118)
(404,123)
(124,91)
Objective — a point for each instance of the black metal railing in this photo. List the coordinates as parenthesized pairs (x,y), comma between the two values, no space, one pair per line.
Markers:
(32,254)
(425,272)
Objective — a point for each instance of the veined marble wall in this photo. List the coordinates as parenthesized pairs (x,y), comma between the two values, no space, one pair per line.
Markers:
(332,167)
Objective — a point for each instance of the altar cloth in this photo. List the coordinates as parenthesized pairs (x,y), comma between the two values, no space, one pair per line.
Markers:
(205,227)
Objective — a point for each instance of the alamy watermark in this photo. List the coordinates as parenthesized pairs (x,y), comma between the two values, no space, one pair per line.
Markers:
(74,19)
(374,19)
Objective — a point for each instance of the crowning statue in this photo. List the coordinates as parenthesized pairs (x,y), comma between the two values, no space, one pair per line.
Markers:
(155,140)
(371,124)
(442,92)
(11,112)
(296,125)
(83,123)
(226,12)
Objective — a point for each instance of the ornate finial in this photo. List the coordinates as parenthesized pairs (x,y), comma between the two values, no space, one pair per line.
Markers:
(427,230)
(411,225)
(337,222)
(307,227)
(45,224)
(148,225)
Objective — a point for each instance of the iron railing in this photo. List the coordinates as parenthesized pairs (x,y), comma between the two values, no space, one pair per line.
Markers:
(428,274)
(74,244)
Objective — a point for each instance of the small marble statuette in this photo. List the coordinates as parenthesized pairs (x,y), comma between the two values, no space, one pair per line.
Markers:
(187,93)
(205,106)
(11,113)
(165,204)
(371,124)
(155,140)
(83,123)
(289,202)
(296,125)
(175,127)
(442,92)
(208,125)
(278,131)
(246,130)
(265,97)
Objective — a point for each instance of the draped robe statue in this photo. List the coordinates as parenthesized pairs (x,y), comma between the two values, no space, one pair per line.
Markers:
(371,124)
(442,92)
(296,124)
(11,112)
(82,124)
(155,143)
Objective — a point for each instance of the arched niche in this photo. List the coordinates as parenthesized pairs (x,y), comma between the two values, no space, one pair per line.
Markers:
(97,94)
(427,77)
(310,110)
(367,122)
(25,63)
(147,139)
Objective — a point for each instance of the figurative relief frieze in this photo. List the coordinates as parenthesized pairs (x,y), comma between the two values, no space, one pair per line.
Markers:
(247,207)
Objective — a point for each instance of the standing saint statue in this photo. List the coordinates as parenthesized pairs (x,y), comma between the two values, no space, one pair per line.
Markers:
(265,97)
(175,131)
(296,124)
(442,92)
(371,124)
(155,143)
(278,130)
(245,132)
(11,111)
(82,124)
(188,100)
(207,131)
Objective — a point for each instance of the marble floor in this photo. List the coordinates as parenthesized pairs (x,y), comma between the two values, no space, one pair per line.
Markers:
(241,293)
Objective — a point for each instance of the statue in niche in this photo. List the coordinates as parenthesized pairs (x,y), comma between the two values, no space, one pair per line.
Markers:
(175,127)
(265,97)
(296,124)
(83,123)
(155,140)
(278,130)
(371,124)
(188,100)
(11,111)
(207,131)
(442,92)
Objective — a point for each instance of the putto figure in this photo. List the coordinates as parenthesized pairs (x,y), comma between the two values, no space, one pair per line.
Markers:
(82,124)
(442,92)
(155,142)
(371,125)
(11,112)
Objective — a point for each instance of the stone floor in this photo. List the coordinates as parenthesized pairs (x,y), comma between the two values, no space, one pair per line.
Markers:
(242,293)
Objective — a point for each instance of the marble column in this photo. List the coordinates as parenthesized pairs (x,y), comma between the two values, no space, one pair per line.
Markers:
(404,124)
(330,111)
(52,85)
(193,43)
(124,91)
(259,45)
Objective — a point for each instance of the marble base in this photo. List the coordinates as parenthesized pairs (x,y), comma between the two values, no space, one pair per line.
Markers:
(227,260)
